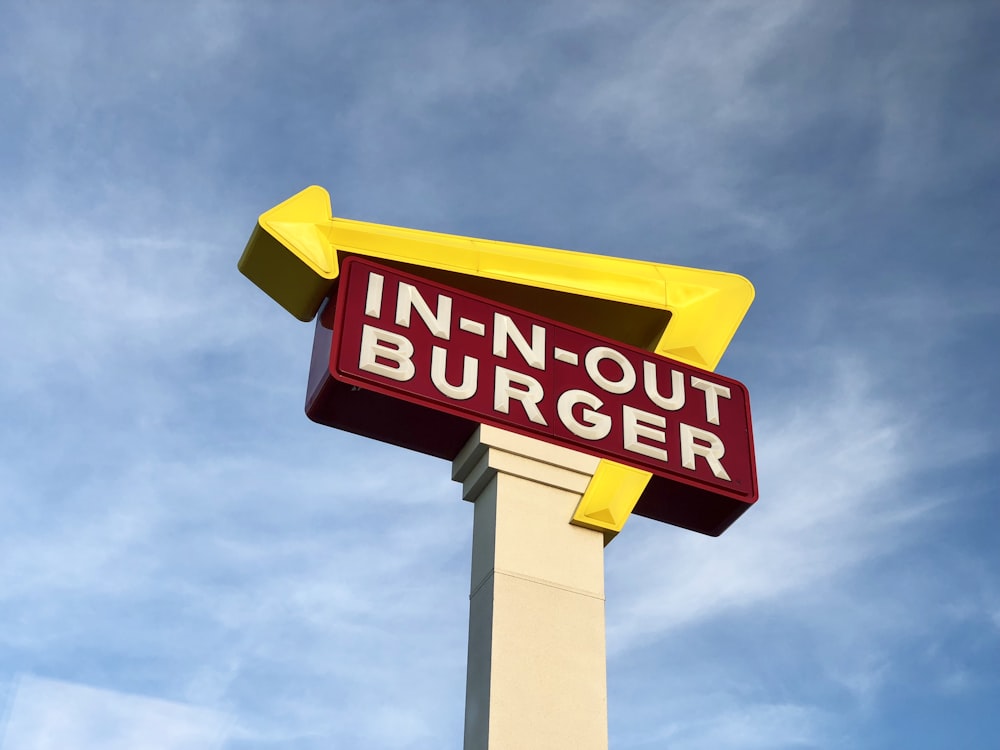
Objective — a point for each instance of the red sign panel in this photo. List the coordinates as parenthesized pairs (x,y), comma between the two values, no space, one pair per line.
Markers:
(443,360)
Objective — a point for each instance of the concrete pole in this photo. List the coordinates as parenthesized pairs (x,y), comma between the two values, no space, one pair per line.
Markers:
(537,668)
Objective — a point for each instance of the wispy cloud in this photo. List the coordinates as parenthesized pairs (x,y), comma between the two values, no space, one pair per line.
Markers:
(48,714)
(828,472)
(752,726)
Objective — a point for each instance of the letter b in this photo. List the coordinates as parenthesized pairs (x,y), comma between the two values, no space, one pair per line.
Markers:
(400,352)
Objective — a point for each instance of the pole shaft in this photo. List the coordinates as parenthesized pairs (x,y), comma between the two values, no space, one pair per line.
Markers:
(537,672)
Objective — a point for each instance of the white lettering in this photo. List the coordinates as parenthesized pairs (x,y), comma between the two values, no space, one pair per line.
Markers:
(593,360)
(595,426)
(505,330)
(712,393)
(472,326)
(563,355)
(373,348)
(470,375)
(373,299)
(676,400)
(439,323)
(710,448)
(638,423)
(529,396)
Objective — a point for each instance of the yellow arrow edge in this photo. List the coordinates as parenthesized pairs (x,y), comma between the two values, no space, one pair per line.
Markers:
(686,314)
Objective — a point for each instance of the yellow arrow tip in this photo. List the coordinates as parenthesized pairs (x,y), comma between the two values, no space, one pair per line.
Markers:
(289,256)
(311,205)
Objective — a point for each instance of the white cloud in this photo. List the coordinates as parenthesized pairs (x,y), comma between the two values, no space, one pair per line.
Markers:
(753,726)
(52,715)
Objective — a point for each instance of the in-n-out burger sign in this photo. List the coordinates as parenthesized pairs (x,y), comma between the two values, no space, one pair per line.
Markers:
(420,364)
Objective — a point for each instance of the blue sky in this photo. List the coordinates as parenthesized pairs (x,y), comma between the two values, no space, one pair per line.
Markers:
(186,559)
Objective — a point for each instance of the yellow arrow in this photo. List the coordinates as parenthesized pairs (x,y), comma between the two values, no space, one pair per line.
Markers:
(687,314)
